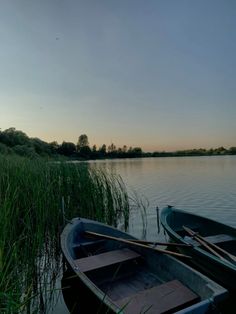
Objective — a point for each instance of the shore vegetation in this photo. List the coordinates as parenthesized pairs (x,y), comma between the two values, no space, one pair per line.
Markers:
(13,141)
(37,198)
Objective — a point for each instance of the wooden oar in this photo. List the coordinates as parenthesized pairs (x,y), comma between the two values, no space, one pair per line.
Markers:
(160,243)
(135,244)
(216,247)
(231,256)
(203,243)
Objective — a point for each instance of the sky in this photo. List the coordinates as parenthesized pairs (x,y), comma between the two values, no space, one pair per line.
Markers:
(158,74)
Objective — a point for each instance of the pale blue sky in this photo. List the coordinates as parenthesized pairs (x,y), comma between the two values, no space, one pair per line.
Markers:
(160,74)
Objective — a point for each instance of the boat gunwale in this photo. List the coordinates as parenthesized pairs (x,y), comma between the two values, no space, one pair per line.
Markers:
(170,210)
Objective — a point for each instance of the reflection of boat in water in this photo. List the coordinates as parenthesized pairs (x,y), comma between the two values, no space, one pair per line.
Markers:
(119,276)
(213,244)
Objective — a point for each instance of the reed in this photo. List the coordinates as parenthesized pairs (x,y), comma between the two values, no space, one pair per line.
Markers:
(36,199)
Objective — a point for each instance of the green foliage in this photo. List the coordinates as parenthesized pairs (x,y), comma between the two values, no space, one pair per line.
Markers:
(85,152)
(82,142)
(20,144)
(232,151)
(35,199)
(25,150)
(53,146)
(83,149)
(102,151)
(12,137)
(14,141)
(40,147)
(4,149)
(194,152)
(67,149)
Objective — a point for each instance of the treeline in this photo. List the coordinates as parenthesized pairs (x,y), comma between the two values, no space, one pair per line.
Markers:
(195,152)
(13,141)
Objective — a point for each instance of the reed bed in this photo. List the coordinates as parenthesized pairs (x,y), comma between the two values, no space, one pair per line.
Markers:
(37,197)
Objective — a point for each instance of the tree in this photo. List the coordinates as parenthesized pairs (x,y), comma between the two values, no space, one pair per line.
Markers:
(53,147)
(220,150)
(40,147)
(111,148)
(12,137)
(124,149)
(102,151)
(25,150)
(232,150)
(137,151)
(67,149)
(4,149)
(120,153)
(134,152)
(82,142)
(85,152)
(83,148)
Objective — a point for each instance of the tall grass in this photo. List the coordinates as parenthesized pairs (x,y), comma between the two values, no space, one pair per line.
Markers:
(36,198)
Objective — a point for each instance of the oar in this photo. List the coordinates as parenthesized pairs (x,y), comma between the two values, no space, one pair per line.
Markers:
(135,244)
(203,243)
(231,256)
(216,247)
(160,243)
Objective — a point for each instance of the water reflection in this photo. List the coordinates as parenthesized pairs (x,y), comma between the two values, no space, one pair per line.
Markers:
(205,185)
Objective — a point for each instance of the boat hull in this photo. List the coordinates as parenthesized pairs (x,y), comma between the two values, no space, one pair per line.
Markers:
(153,264)
(220,271)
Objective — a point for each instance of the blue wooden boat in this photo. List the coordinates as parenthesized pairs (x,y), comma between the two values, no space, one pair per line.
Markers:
(213,244)
(119,276)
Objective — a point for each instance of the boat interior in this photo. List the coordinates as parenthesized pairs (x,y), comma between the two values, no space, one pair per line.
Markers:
(226,239)
(138,280)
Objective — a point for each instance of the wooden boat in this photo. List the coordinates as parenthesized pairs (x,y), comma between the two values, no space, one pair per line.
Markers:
(121,276)
(213,244)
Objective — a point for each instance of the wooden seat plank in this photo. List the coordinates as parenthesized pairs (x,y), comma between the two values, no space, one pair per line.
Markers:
(218,238)
(165,298)
(105,259)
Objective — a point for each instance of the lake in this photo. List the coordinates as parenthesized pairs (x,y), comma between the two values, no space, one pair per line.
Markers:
(202,185)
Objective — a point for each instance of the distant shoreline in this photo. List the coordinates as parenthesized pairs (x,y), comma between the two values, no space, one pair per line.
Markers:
(16,142)
(140,157)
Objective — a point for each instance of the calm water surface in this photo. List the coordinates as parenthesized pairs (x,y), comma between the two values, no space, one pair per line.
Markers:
(202,185)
